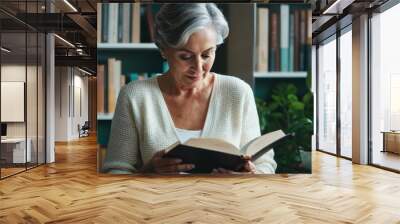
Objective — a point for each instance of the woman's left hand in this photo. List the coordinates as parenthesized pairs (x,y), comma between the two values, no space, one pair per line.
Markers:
(247,168)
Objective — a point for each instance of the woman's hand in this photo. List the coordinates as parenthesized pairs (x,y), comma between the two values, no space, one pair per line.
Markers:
(159,164)
(247,168)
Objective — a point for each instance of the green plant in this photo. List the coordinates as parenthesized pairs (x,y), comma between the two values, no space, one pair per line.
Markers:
(293,114)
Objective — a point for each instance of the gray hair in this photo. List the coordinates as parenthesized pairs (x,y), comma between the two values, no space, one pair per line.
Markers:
(174,23)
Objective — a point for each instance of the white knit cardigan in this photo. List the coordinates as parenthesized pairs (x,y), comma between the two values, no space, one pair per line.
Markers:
(142,124)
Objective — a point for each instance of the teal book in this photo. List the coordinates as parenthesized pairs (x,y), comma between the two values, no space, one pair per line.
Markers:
(284,20)
(274,51)
(120,23)
(104,22)
(291,43)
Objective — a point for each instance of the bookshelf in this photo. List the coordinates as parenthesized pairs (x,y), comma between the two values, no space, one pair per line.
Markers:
(232,58)
(105,116)
(282,47)
(283,40)
(280,75)
(125,52)
(127,46)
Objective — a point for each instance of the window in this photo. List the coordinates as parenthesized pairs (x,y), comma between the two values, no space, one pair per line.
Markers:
(346,93)
(327,96)
(385,84)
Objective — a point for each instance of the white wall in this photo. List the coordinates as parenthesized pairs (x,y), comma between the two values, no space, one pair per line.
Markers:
(16,73)
(69,85)
(61,103)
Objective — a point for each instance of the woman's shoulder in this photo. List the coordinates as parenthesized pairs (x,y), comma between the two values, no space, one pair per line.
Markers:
(139,88)
(232,83)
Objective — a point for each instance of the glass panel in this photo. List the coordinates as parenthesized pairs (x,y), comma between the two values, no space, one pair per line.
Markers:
(13,87)
(327,96)
(32,85)
(41,99)
(313,82)
(385,89)
(346,94)
(31,100)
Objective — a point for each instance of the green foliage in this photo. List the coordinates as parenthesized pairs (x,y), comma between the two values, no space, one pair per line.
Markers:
(293,114)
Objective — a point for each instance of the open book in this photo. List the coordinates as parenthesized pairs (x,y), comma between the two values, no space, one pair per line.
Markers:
(208,153)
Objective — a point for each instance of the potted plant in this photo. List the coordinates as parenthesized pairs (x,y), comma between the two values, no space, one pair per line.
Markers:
(293,114)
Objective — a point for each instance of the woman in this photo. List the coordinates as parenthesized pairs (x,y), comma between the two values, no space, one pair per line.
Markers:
(187,101)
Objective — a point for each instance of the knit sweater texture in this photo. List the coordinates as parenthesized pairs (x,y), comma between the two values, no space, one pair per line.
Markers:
(142,124)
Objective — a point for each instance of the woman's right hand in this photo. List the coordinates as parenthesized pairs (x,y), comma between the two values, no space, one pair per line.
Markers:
(162,165)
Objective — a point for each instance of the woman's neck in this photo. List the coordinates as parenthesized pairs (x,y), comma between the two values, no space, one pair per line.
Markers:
(171,87)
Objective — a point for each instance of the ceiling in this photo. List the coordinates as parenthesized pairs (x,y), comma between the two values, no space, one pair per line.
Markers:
(338,13)
(76,24)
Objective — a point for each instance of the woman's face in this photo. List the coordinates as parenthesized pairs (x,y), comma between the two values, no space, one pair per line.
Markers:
(192,63)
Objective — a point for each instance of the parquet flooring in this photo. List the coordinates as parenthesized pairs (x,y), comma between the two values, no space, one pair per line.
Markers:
(70,191)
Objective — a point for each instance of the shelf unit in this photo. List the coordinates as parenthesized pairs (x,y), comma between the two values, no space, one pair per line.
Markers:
(280,75)
(134,58)
(127,46)
(105,116)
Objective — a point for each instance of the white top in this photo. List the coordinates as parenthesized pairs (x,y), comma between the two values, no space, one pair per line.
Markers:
(142,124)
(184,134)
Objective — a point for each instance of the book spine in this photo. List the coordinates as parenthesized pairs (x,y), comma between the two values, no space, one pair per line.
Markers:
(303,44)
(99,22)
(262,40)
(284,38)
(111,86)
(105,22)
(309,39)
(273,41)
(150,21)
(113,23)
(100,88)
(126,22)
(120,23)
(291,43)
(296,50)
(278,43)
(135,23)
(117,80)
(106,88)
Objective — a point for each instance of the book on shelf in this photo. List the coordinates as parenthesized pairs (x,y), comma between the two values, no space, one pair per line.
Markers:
(262,40)
(135,23)
(285,36)
(274,56)
(114,80)
(291,42)
(208,153)
(110,80)
(100,88)
(98,18)
(113,23)
(122,22)
(150,21)
(296,42)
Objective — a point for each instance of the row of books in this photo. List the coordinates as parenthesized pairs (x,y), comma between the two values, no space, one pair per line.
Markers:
(283,39)
(109,82)
(123,22)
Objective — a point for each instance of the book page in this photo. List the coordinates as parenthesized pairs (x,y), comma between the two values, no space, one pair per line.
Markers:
(263,141)
(169,148)
(213,144)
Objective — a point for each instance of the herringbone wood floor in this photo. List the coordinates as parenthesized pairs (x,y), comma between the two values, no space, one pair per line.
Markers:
(70,191)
